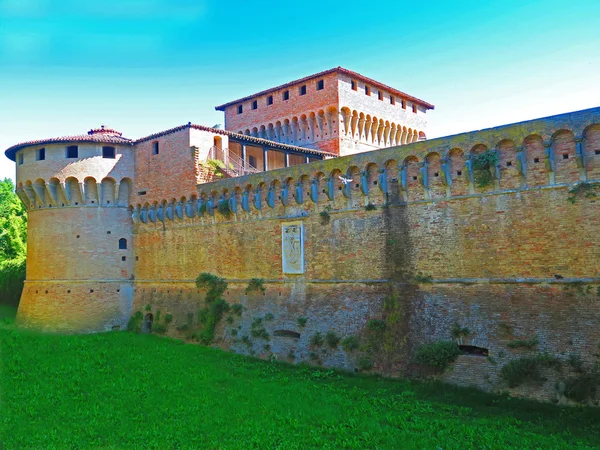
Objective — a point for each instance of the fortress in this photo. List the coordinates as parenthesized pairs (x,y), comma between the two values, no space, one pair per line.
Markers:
(327,189)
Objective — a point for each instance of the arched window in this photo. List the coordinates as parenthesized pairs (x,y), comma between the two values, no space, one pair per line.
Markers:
(122,244)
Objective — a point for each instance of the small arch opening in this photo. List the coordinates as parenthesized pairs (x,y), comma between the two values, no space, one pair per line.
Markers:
(122,244)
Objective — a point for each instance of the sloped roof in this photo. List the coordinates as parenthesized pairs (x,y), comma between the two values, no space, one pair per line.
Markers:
(327,72)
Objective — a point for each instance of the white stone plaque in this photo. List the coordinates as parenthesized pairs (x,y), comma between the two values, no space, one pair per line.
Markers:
(292,247)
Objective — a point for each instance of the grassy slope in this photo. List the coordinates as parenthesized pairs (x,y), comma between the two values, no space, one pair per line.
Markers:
(120,390)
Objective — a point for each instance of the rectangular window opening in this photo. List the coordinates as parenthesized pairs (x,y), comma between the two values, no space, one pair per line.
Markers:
(354,85)
(240,109)
(565,156)
(403,104)
(286,95)
(367,90)
(320,85)
(414,108)
(108,152)
(155,148)
(41,154)
(20,158)
(270,100)
(255,104)
(303,90)
(72,151)
(380,95)
(141,192)
(392,100)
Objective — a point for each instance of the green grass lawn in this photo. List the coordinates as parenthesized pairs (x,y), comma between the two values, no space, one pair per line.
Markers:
(121,390)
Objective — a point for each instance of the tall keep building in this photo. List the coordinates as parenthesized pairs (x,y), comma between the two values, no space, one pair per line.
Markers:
(338,111)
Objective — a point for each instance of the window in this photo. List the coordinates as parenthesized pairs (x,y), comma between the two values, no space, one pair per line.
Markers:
(155,148)
(240,109)
(122,244)
(303,90)
(403,104)
(20,158)
(380,95)
(392,100)
(286,95)
(254,104)
(367,90)
(252,161)
(354,85)
(108,152)
(414,108)
(41,154)
(320,85)
(72,151)
(270,100)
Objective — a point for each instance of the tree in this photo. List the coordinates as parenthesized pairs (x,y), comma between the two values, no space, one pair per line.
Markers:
(13,244)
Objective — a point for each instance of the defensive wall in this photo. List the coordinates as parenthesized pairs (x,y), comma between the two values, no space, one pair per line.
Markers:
(411,242)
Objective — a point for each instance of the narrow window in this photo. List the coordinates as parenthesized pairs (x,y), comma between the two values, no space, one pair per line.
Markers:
(270,100)
(72,151)
(20,158)
(240,109)
(286,95)
(108,152)
(403,104)
(414,108)
(155,148)
(41,154)
(392,100)
(354,85)
(252,161)
(141,192)
(320,85)
(367,90)
(255,104)
(303,90)
(380,95)
(122,244)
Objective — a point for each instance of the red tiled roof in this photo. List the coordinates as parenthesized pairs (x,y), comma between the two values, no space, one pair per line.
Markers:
(327,72)
(241,137)
(98,135)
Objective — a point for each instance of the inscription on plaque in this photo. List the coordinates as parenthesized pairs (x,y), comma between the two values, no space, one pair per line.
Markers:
(292,247)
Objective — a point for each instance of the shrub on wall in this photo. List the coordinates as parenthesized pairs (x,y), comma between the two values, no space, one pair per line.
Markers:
(528,369)
(483,165)
(216,306)
(437,355)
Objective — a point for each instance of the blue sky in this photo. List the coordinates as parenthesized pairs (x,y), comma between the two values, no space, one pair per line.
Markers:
(142,66)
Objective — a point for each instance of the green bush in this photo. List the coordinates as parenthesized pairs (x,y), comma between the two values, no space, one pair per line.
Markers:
(482,166)
(159,328)
(302,321)
(135,321)
(317,339)
(582,387)
(458,331)
(255,285)
(168,318)
(437,355)
(522,370)
(376,325)
(350,343)
(332,339)
(237,309)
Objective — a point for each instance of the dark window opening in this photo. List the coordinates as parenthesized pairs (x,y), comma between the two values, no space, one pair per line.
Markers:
(375,183)
(68,291)
(77,236)
(20,158)
(108,152)
(91,290)
(123,258)
(286,333)
(255,104)
(367,90)
(354,85)
(320,85)
(252,160)
(270,100)
(473,350)
(303,90)
(41,154)
(240,109)
(141,192)
(565,156)
(155,148)
(122,244)
(436,174)
(508,163)
(137,258)
(72,151)
(536,160)
(286,95)
(459,172)
(392,100)
(414,178)
(380,95)
(414,107)
(596,152)
(147,324)
(403,104)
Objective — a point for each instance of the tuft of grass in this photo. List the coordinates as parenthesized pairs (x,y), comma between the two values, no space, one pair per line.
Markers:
(185,394)
(317,339)
(350,343)
(332,339)
(523,343)
(302,322)
(437,355)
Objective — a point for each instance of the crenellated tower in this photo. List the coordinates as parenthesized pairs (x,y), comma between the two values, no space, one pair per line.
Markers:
(79,257)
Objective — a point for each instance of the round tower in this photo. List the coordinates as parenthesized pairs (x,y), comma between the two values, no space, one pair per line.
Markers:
(79,232)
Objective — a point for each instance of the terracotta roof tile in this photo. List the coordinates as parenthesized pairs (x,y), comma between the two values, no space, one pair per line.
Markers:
(327,72)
